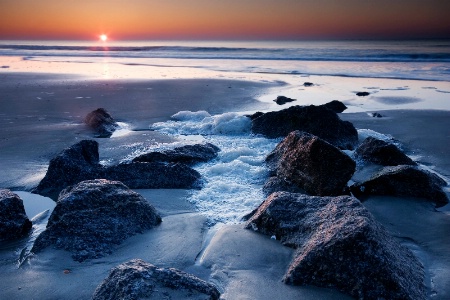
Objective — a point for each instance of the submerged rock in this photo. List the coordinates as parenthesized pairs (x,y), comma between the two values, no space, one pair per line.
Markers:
(93,216)
(137,279)
(101,122)
(317,120)
(362,94)
(189,154)
(382,153)
(401,181)
(335,105)
(283,100)
(308,84)
(311,164)
(14,222)
(339,245)
(81,162)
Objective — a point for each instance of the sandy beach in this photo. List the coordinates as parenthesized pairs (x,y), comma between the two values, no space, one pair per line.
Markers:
(41,114)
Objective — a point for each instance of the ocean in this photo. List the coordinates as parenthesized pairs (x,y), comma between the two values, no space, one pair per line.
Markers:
(421,59)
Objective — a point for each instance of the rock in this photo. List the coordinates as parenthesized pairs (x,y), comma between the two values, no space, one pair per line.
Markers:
(14,222)
(102,122)
(156,175)
(77,163)
(362,94)
(382,153)
(255,115)
(317,120)
(93,216)
(308,84)
(189,154)
(339,245)
(81,162)
(375,115)
(335,105)
(283,100)
(137,279)
(401,181)
(277,184)
(311,164)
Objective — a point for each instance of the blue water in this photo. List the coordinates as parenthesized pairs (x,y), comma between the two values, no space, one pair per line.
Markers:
(427,60)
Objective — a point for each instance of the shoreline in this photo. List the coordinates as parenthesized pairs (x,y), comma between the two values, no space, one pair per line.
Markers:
(37,129)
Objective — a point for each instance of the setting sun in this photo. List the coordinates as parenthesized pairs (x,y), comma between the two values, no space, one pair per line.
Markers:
(103,37)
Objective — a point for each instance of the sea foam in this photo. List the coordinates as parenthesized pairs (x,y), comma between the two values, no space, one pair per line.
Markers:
(233,181)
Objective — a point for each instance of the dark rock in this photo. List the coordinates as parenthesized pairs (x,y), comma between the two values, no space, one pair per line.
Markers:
(77,163)
(401,181)
(81,162)
(382,153)
(317,120)
(362,94)
(255,115)
(137,279)
(156,175)
(102,122)
(376,115)
(308,84)
(311,164)
(14,223)
(277,184)
(283,100)
(335,105)
(90,218)
(339,245)
(189,154)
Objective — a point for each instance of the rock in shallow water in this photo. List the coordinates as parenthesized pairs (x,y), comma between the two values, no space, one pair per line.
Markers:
(101,122)
(339,245)
(317,120)
(137,279)
(188,154)
(382,153)
(81,162)
(403,180)
(93,216)
(14,223)
(311,164)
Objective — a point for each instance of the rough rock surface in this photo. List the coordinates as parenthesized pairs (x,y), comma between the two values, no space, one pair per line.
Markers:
(137,279)
(14,223)
(406,181)
(317,120)
(382,153)
(277,184)
(189,154)
(335,105)
(283,100)
(81,162)
(90,218)
(312,164)
(339,245)
(101,122)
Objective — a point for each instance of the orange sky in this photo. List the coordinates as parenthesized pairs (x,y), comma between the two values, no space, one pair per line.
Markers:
(223,19)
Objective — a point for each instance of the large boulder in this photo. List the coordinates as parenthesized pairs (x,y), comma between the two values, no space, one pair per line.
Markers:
(14,222)
(382,153)
(312,164)
(137,279)
(101,122)
(81,162)
(277,184)
(93,216)
(339,245)
(403,180)
(188,154)
(317,120)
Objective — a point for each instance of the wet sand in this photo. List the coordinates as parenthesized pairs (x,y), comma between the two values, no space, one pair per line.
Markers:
(41,115)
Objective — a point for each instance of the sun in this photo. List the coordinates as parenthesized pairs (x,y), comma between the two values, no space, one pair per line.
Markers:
(103,37)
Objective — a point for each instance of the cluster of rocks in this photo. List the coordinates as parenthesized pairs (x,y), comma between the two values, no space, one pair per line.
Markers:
(14,222)
(167,169)
(310,207)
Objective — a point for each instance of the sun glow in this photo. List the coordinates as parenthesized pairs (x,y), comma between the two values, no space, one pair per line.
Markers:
(103,37)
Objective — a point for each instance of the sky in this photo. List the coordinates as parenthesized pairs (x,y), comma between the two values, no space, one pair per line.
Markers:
(224,19)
